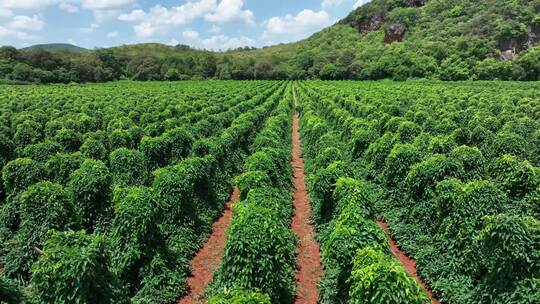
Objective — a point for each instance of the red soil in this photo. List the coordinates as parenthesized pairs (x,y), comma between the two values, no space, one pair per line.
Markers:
(208,258)
(308,260)
(407,262)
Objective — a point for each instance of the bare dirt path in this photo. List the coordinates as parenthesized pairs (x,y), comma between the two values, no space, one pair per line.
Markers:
(407,262)
(308,260)
(208,258)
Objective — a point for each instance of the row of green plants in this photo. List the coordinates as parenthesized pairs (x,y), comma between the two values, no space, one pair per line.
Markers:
(359,265)
(114,232)
(456,168)
(259,261)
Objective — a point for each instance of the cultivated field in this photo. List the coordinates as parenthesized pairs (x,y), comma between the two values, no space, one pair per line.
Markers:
(196,192)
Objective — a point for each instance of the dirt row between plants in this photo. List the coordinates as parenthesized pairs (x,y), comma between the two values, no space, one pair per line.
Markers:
(308,260)
(207,260)
(407,262)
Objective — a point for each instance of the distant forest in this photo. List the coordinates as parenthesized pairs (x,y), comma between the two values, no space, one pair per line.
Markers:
(384,39)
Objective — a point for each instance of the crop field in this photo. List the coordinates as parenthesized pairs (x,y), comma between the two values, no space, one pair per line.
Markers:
(270,192)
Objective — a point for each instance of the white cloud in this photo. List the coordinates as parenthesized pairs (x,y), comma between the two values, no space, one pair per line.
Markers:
(5,13)
(215,29)
(112,34)
(69,7)
(9,33)
(173,42)
(305,23)
(105,15)
(135,15)
(229,10)
(26,23)
(330,3)
(223,42)
(26,4)
(190,35)
(360,3)
(145,30)
(89,29)
(105,4)
(159,19)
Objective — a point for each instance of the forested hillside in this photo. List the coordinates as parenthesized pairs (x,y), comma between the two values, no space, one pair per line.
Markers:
(398,39)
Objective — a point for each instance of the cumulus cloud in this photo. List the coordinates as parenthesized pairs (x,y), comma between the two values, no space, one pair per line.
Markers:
(89,29)
(215,29)
(5,13)
(26,4)
(303,24)
(105,4)
(330,3)
(360,3)
(223,42)
(135,15)
(160,19)
(145,30)
(112,34)
(190,35)
(229,10)
(173,42)
(106,15)
(69,7)
(26,23)
(6,33)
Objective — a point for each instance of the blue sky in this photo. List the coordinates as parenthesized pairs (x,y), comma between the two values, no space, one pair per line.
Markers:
(208,24)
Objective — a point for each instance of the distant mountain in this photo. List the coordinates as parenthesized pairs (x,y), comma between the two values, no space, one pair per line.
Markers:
(57,47)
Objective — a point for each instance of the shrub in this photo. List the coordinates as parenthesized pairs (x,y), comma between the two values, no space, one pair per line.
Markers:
(509,143)
(94,149)
(376,278)
(21,173)
(360,141)
(41,152)
(60,166)
(43,206)
(89,188)
(156,151)
(128,167)
(27,133)
(407,131)
(422,177)
(322,189)
(461,209)
(239,297)
(441,145)
(472,160)
(517,178)
(74,269)
(135,233)
(69,139)
(180,140)
(398,163)
(252,180)
(509,245)
(378,151)
(259,254)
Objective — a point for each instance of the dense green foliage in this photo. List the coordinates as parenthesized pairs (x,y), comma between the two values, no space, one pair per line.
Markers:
(451,167)
(113,188)
(359,267)
(140,172)
(260,249)
(398,39)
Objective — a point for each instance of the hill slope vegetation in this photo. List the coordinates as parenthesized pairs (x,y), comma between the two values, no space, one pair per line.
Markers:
(398,39)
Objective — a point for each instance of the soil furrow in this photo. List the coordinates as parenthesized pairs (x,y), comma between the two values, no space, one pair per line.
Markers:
(407,262)
(308,260)
(207,260)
